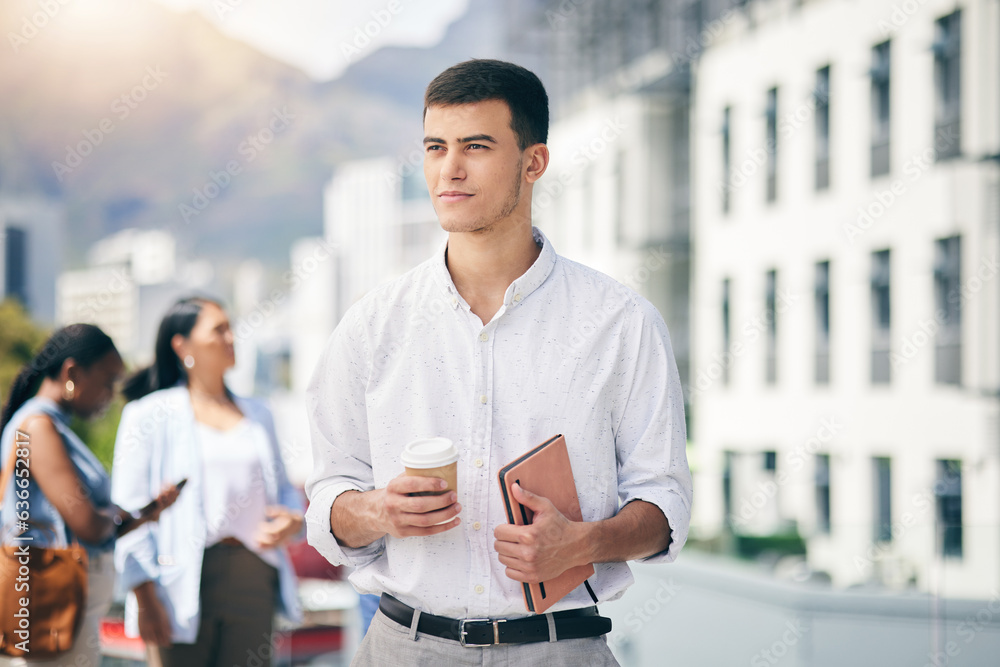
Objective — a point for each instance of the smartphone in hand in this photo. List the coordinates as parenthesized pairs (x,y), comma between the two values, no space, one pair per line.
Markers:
(144,512)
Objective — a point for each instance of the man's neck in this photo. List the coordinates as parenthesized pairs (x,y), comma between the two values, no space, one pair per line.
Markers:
(484,264)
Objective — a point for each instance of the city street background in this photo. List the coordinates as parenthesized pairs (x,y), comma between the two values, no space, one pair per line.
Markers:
(807,190)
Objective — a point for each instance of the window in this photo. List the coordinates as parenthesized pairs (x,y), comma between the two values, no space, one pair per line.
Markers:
(880,72)
(727,486)
(770,461)
(948,305)
(726,333)
(881,371)
(822,98)
(771,115)
(948,491)
(822,323)
(727,159)
(15,263)
(882,494)
(771,315)
(948,85)
(823,493)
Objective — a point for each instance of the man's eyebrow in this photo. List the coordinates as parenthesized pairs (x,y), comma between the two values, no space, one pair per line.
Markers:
(463,140)
(477,137)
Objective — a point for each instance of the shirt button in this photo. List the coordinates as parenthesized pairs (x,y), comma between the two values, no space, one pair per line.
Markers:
(484,336)
(482,399)
(479,588)
(454,301)
(477,525)
(478,463)
(517,297)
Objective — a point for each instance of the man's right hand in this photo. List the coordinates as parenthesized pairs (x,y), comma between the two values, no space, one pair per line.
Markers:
(358,519)
(154,624)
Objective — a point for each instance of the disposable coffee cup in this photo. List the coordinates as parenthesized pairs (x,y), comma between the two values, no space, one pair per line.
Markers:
(432,457)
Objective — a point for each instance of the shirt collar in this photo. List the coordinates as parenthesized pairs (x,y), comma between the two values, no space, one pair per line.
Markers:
(518,290)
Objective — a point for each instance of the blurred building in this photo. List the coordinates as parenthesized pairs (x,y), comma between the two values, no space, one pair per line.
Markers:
(31,232)
(616,195)
(132,278)
(378,224)
(845,370)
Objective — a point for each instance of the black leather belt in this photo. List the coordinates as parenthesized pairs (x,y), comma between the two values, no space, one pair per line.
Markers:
(571,624)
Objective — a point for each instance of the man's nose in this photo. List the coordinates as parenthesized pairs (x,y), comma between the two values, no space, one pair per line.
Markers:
(453,168)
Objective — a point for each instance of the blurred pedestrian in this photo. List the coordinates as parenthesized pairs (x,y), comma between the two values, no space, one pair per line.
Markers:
(206,581)
(68,490)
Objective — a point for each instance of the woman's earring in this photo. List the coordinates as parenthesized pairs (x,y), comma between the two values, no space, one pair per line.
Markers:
(70,390)
(189,361)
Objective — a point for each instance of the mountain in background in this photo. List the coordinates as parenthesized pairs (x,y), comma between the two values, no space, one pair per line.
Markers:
(143,117)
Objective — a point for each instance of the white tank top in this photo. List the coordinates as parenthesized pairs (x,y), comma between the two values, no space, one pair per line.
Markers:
(234,498)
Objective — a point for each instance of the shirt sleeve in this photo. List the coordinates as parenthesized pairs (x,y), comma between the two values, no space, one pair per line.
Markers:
(136,551)
(651,438)
(338,423)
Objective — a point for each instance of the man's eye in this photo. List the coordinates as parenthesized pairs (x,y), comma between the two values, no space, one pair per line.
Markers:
(476,146)
(434,147)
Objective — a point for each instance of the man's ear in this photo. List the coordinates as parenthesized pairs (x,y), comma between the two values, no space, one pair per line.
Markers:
(536,161)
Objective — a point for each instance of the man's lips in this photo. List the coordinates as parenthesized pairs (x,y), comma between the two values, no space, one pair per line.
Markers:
(453,196)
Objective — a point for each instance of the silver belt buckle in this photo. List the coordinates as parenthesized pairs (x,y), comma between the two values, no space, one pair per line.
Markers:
(462,632)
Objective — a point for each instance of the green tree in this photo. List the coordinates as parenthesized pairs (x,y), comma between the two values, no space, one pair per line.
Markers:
(20,340)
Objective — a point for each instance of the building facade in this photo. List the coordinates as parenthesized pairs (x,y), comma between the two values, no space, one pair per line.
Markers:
(31,231)
(846,309)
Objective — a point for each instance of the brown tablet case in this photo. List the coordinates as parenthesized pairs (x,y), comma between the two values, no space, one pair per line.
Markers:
(545,471)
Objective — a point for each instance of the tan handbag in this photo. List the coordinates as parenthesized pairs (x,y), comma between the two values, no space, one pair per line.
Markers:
(43,592)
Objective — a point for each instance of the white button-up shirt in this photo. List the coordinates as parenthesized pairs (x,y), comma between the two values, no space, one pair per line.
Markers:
(571,351)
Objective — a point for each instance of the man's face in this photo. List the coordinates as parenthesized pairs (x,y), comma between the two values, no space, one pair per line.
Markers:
(472,164)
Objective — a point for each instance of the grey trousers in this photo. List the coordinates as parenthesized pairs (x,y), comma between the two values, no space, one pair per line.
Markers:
(237,611)
(388,643)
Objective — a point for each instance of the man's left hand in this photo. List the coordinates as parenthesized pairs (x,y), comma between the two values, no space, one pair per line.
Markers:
(545,549)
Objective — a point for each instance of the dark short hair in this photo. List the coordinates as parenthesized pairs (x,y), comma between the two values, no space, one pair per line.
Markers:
(481,80)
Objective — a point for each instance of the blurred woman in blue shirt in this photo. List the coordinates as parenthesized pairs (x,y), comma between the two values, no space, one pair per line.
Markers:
(69,492)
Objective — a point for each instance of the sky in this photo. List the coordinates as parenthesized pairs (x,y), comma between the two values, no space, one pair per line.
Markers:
(323,37)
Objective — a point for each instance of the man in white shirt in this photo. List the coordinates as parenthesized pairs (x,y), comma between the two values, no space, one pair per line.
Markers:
(497,343)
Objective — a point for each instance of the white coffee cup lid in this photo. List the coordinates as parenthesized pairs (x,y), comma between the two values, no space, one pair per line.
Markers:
(429,453)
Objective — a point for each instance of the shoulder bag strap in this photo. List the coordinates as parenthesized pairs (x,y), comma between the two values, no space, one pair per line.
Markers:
(8,470)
